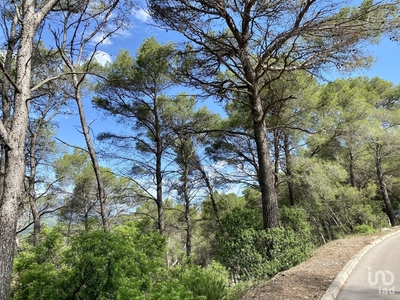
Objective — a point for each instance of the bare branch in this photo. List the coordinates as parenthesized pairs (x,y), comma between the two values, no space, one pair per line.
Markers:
(13,83)
(73,146)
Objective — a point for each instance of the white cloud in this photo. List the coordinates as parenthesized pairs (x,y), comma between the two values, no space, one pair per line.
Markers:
(102,57)
(101,39)
(141,15)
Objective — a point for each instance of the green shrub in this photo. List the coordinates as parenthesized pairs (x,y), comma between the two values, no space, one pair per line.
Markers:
(122,264)
(209,283)
(364,229)
(36,270)
(286,249)
(119,264)
(253,253)
(170,288)
(296,219)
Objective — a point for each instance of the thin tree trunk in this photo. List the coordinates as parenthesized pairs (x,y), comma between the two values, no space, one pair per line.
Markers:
(86,217)
(161,218)
(77,82)
(35,214)
(159,194)
(93,156)
(276,158)
(288,170)
(186,154)
(317,225)
(327,229)
(36,221)
(159,197)
(382,185)
(352,169)
(159,172)
(31,187)
(210,191)
(187,211)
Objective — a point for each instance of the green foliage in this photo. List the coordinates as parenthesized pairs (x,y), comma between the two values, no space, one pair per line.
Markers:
(364,229)
(124,263)
(297,220)
(192,282)
(334,206)
(120,264)
(38,268)
(253,253)
(209,283)
(73,168)
(109,265)
(75,172)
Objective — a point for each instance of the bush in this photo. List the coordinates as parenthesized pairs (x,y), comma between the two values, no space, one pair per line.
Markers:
(364,229)
(286,249)
(253,253)
(209,283)
(37,269)
(123,263)
(296,219)
(120,264)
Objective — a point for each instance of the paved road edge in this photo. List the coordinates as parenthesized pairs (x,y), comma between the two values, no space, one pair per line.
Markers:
(333,290)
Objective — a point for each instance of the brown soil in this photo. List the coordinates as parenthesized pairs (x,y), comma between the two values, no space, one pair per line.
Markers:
(311,279)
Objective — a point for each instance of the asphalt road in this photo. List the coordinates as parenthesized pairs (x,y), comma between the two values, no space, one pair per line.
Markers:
(377,274)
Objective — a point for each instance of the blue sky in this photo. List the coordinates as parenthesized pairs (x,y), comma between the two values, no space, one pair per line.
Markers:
(387,67)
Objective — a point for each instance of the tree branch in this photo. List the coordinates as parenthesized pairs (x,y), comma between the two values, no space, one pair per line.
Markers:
(13,83)
(4,135)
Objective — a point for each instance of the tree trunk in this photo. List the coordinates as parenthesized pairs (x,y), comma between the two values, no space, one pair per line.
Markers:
(14,154)
(93,156)
(12,196)
(269,197)
(382,185)
(352,169)
(86,217)
(13,141)
(187,211)
(159,171)
(31,186)
(35,215)
(326,226)
(276,158)
(288,169)
(266,176)
(159,198)
(210,190)
(6,95)
(186,155)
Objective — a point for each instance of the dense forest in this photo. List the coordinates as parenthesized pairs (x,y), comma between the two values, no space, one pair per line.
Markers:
(175,199)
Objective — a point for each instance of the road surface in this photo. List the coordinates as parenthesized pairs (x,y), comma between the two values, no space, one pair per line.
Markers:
(377,274)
